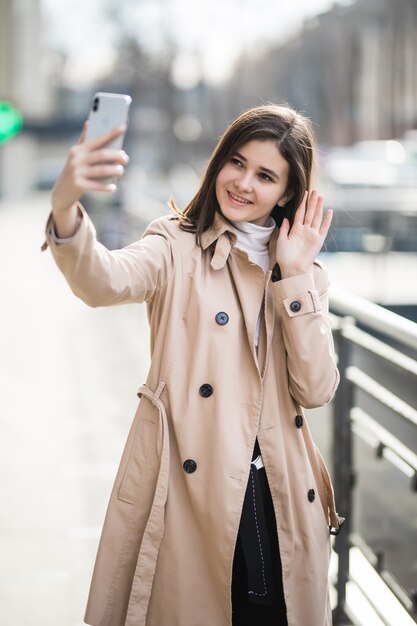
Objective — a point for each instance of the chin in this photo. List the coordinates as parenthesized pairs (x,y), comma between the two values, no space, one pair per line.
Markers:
(234,215)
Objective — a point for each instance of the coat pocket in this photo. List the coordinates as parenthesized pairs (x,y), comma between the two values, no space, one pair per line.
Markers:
(139,478)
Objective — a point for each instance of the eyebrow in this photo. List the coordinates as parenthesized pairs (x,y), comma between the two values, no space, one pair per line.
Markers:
(264,169)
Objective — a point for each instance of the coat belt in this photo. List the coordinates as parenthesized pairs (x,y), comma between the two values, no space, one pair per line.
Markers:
(152,536)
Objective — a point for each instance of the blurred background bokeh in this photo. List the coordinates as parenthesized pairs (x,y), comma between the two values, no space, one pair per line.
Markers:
(69,374)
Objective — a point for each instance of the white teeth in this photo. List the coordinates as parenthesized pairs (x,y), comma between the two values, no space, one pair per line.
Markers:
(239,199)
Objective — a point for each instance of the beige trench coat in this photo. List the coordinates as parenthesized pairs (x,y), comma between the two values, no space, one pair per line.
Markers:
(166,550)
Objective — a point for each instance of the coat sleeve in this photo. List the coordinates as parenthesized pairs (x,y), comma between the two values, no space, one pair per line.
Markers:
(311,362)
(102,277)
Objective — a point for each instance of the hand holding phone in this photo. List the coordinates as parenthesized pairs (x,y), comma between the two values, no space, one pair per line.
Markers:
(95,162)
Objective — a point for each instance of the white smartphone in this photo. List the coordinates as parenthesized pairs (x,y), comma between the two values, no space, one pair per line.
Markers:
(108,111)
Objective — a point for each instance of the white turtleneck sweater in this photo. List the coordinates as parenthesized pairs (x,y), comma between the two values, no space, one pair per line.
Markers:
(254,240)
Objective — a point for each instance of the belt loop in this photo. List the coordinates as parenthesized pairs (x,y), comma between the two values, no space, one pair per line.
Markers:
(159,389)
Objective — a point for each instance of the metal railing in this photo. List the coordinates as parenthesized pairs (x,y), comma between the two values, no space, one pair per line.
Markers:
(362,357)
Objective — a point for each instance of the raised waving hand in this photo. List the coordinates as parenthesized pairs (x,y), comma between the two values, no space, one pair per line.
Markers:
(298,246)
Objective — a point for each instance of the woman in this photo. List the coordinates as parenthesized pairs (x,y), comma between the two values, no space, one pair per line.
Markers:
(221,507)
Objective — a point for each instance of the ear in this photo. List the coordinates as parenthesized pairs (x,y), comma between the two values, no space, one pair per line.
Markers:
(285,198)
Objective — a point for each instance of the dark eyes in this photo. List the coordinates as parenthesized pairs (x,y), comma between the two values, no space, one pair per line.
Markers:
(265,176)
(236,161)
(240,165)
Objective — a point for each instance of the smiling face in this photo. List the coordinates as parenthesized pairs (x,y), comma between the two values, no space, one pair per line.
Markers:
(252,182)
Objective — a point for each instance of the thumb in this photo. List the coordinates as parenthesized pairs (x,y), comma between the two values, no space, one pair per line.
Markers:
(83,132)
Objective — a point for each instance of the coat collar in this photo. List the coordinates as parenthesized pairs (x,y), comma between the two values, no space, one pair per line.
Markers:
(221,233)
(216,230)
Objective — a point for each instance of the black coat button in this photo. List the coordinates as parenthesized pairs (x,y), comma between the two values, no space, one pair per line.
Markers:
(206,390)
(299,421)
(189,466)
(295,306)
(311,495)
(222,318)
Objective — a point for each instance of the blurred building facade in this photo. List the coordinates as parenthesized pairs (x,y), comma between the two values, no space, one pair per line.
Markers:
(23,82)
(23,76)
(353,69)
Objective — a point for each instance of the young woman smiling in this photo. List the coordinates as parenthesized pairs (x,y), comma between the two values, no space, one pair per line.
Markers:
(222,505)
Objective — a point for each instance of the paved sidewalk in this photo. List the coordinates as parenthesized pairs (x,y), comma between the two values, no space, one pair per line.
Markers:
(68,380)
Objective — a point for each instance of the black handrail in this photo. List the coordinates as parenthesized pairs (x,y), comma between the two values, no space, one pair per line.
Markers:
(349,420)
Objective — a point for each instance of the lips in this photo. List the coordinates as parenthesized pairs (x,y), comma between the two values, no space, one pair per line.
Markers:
(238,199)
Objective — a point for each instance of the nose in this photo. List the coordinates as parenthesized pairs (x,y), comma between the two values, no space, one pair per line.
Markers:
(243,182)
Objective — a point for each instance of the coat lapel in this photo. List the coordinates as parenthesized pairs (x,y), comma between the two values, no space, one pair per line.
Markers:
(249,281)
(270,309)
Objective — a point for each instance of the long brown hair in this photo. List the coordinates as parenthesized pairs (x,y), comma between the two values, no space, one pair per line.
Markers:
(293,136)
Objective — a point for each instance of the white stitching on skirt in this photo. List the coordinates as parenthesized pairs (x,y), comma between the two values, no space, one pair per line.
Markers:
(259,538)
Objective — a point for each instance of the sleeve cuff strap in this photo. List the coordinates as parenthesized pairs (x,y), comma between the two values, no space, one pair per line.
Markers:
(301,304)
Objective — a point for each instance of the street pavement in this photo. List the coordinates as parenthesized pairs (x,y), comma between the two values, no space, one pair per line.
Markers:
(68,380)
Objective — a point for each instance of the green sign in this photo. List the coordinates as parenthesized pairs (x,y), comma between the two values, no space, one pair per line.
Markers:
(10,121)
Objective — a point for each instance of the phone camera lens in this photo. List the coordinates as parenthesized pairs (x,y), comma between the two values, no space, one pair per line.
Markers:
(95,104)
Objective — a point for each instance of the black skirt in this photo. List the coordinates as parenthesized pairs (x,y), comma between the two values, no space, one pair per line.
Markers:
(257,593)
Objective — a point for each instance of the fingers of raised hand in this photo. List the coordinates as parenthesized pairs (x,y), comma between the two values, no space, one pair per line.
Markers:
(314,208)
(95,177)
(89,184)
(325,225)
(106,155)
(103,170)
(314,215)
(310,210)
(85,164)
(300,212)
(105,138)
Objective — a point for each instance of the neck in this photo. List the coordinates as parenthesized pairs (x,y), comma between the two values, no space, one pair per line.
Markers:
(254,240)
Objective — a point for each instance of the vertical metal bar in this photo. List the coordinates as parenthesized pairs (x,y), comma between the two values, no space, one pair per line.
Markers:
(342,466)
